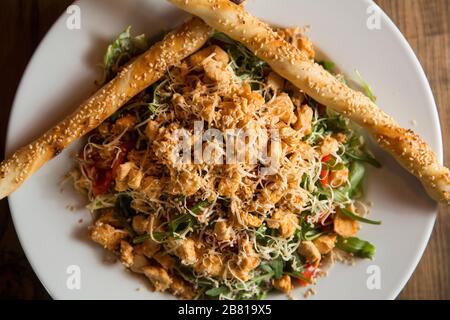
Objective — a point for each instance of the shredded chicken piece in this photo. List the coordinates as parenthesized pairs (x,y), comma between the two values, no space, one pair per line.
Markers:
(304,119)
(165,260)
(182,289)
(325,243)
(284,284)
(159,277)
(210,265)
(106,235)
(186,251)
(247,260)
(139,262)
(126,122)
(126,254)
(215,52)
(284,221)
(344,226)
(338,178)
(329,146)
(310,252)
(128,176)
(148,248)
(275,82)
(282,107)
(223,230)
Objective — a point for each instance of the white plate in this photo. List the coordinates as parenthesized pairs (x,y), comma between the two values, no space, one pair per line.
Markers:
(62,73)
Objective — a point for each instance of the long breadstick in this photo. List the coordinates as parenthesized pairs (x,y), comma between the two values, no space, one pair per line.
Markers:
(132,79)
(406,146)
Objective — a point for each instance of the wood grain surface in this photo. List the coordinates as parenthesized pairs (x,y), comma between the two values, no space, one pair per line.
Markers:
(426,25)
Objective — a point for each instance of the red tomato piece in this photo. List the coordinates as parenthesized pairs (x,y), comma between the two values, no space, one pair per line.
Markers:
(309,273)
(324,174)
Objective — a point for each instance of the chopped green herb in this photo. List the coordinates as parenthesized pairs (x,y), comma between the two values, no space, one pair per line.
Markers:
(182,222)
(159,236)
(300,276)
(142,238)
(121,51)
(215,292)
(124,205)
(356,246)
(354,216)
(266,268)
(364,157)
(198,206)
(245,64)
(366,87)
(357,172)
(278,266)
(327,65)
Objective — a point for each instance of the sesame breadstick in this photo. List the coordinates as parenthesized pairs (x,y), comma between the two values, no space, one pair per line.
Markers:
(407,147)
(132,79)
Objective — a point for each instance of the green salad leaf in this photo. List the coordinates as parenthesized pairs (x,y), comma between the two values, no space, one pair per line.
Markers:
(327,65)
(159,236)
(354,187)
(245,64)
(364,157)
(120,51)
(366,87)
(356,246)
(198,206)
(277,267)
(215,292)
(124,205)
(354,216)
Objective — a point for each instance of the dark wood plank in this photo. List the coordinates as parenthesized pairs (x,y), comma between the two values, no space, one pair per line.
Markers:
(426,25)
(23,24)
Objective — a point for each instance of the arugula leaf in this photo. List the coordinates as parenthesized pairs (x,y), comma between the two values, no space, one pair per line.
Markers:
(262,295)
(215,292)
(308,232)
(366,87)
(312,235)
(124,205)
(333,166)
(177,225)
(364,157)
(327,65)
(245,64)
(120,51)
(142,238)
(300,276)
(159,236)
(354,216)
(181,223)
(357,172)
(261,234)
(266,268)
(354,188)
(356,246)
(277,266)
(222,37)
(198,206)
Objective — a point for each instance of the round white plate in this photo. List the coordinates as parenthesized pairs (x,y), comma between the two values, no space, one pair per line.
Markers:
(62,73)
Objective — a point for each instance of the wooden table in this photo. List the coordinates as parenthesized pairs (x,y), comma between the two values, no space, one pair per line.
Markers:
(426,24)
